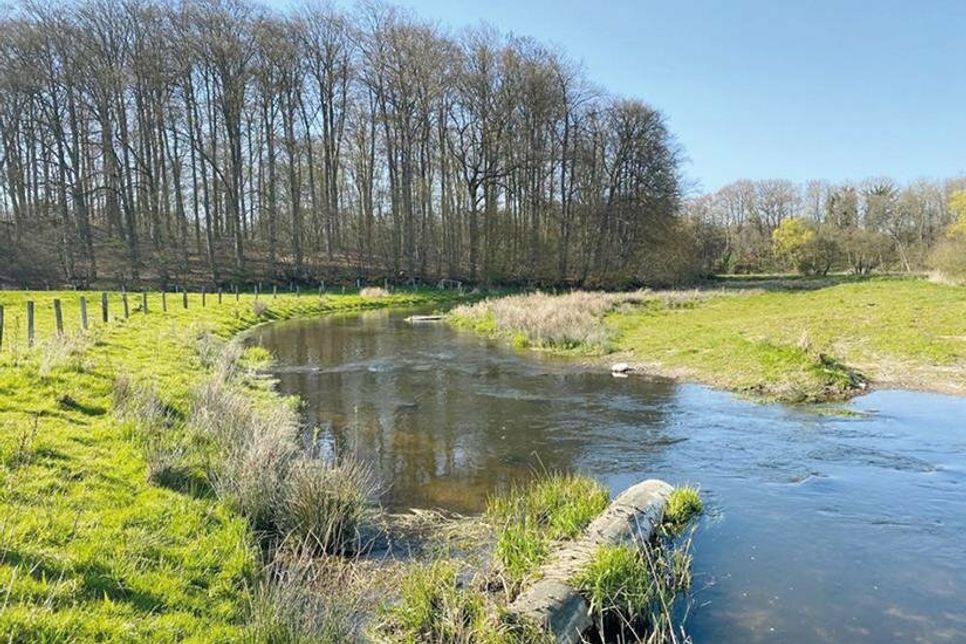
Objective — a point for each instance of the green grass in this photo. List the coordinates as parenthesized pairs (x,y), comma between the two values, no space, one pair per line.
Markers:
(435,607)
(90,548)
(683,504)
(631,590)
(793,340)
(801,345)
(532,517)
(616,579)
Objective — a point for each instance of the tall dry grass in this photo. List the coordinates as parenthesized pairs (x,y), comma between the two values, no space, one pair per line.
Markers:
(373,291)
(259,467)
(327,505)
(550,321)
(302,598)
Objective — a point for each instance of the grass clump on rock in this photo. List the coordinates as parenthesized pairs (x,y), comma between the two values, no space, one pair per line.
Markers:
(631,590)
(683,504)
(531,518)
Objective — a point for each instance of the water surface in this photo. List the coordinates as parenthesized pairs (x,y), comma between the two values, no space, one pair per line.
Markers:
(819,527)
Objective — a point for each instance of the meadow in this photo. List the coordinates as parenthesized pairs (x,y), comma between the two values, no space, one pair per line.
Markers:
(794,341)
(90,546)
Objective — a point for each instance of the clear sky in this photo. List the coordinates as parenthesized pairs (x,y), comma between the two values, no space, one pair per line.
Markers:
(757,89)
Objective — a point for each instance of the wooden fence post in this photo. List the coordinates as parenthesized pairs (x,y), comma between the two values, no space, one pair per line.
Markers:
(30,324)
(104,306)
(256,292)
(184,297)
(237,294)
(164,301)
(144,302)
(1,327)
(83,307)
(219,295)
(58,317)
(274,291)
(204,297)
(124,299)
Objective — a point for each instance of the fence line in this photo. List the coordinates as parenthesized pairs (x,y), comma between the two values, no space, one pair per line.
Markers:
(60,326)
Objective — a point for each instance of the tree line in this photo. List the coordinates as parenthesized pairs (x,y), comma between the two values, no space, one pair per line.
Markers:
(817,227)
(214,140)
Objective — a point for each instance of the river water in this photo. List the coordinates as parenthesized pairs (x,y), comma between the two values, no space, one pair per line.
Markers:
(820,525)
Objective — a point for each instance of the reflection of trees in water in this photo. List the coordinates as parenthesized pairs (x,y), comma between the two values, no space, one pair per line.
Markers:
(445,431)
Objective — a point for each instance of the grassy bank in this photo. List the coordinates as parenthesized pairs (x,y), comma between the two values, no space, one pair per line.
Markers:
(786,341)
(90,548)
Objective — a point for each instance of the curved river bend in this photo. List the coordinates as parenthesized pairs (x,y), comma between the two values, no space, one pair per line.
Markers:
(820,527)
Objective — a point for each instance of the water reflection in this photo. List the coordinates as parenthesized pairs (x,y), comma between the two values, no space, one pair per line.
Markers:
(821,527)
(446,418)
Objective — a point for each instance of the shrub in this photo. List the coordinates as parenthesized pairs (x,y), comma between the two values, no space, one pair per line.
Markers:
(325,505)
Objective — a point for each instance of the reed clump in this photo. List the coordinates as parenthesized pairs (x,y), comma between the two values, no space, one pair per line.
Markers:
(373,292)
(541,320)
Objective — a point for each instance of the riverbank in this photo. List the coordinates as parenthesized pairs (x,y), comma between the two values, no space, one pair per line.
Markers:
(777,342)
(90,548)
(156,486)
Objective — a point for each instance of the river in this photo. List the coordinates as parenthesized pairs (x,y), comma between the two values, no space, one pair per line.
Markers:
(822,524)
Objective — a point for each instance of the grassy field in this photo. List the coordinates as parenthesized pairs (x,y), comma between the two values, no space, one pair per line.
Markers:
(786,340)
(89,548)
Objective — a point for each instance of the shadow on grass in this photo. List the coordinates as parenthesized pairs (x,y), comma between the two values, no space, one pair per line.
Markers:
(791,283)
(97,582)
(184,480)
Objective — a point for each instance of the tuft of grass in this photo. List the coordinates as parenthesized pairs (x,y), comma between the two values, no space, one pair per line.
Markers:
(683,504)
(530,518)
(373,292)
(617,579)
(298,599)
(632,590)
(571,322)
(62,351)
(326,505)
(259,309)
(435,607)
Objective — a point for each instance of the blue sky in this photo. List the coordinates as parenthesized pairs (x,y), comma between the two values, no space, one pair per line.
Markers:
(763,89)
